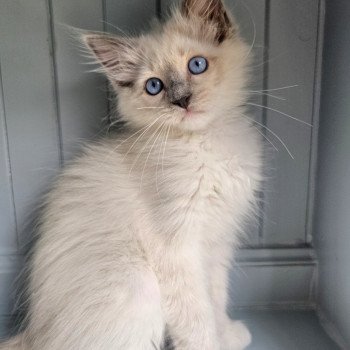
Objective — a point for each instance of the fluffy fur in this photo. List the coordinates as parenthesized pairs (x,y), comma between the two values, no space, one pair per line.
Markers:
(137,234)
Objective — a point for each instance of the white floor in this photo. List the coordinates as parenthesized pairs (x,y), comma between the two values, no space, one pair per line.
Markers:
(286,330)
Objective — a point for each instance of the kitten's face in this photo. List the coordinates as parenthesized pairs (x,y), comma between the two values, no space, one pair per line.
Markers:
(187,73)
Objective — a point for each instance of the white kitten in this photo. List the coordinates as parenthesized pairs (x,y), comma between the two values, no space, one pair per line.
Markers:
(137,235)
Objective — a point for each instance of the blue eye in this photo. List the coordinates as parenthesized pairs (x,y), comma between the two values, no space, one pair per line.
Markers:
(197,65)
(154,86)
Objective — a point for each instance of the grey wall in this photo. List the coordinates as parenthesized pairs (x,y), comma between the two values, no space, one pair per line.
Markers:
(49,104)
(332,221)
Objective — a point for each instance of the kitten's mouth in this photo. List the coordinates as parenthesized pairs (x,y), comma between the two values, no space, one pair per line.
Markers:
(189,113)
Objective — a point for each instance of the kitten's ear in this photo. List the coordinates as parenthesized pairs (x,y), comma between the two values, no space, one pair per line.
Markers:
(119,57)
(211,11)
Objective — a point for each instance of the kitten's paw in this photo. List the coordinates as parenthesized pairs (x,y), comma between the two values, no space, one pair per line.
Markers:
(236,336)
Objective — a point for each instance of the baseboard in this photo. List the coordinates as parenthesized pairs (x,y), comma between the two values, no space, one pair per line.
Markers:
(273,255)
(274,278)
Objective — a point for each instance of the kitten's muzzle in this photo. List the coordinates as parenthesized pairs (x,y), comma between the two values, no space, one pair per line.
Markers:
(183,102)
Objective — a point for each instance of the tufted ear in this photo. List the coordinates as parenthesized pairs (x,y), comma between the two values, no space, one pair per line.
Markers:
(210,11)
(119,57)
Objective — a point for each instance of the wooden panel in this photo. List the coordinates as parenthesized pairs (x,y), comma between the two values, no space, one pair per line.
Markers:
(129,16)
(82,100)
(8,232)
(292,54)
(29,100)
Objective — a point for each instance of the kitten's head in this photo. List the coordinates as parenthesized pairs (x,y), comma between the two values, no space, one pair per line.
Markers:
(187,72)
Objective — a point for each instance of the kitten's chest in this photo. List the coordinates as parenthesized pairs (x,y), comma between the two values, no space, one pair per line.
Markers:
(202,187)
(211,179)
(201,184)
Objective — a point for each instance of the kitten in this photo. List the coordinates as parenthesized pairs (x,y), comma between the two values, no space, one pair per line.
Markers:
(137,234)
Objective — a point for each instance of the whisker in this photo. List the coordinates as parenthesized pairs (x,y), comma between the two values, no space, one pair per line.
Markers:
(266,138)
(270,60)
(138,138)
(119,144)
(279,112)
(272,96)
(166,139)
(158,160)
(277,89)
(272,132)
(160,128)
(143,148)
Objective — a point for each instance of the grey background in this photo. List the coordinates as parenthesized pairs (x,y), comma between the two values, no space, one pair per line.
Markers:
(50,104)
(332,224)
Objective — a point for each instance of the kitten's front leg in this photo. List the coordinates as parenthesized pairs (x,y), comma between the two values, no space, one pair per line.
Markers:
(187,307)
(233,335)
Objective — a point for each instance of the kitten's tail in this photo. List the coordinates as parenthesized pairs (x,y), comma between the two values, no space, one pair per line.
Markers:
(15,343)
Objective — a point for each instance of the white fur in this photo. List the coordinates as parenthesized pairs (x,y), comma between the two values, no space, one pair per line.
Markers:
(117,262)
(137,234)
